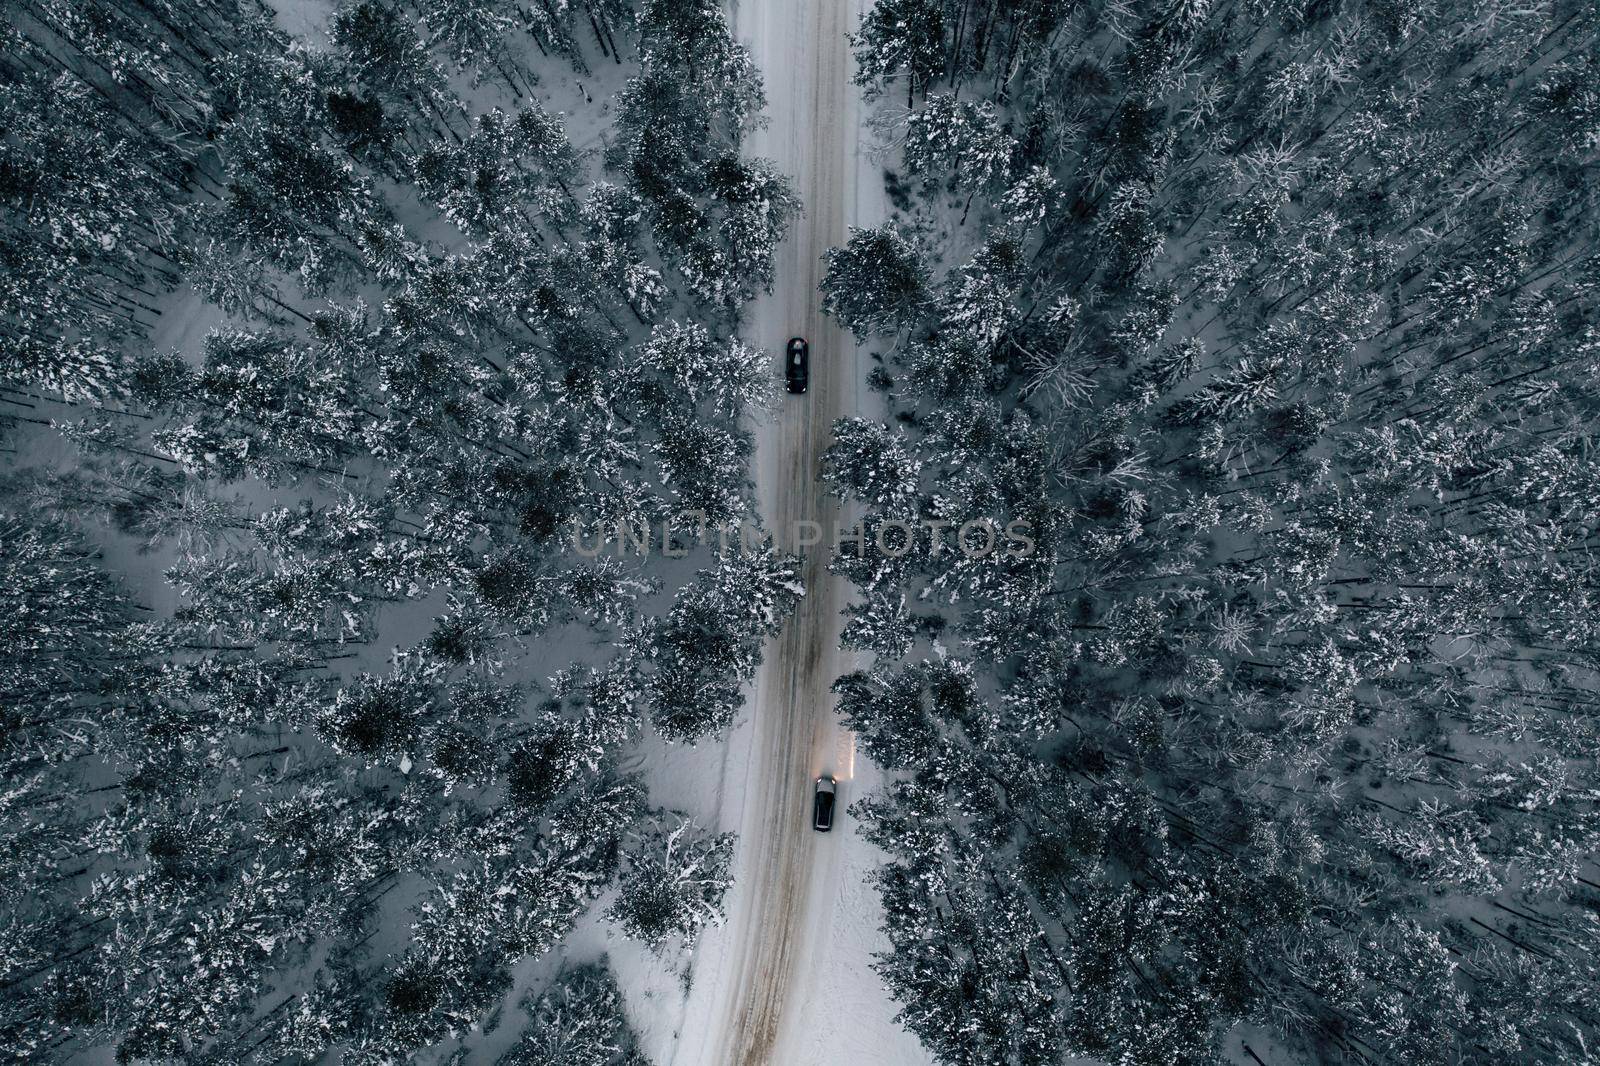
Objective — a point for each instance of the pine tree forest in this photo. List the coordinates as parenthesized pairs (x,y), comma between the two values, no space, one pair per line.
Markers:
(1282,323)
(1216,400)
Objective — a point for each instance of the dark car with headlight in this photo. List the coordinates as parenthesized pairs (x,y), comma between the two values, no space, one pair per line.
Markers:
(822,806)
(797,364)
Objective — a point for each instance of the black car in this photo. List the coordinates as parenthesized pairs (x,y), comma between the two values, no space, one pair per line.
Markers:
(797,364)
(822,807)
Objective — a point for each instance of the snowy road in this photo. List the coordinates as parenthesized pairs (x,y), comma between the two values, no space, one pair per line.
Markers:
(786,982)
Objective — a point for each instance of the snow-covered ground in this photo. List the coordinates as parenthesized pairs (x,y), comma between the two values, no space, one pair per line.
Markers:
(787,980)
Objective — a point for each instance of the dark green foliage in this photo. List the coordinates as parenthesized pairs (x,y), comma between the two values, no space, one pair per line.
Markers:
(709,644)
(901,39)
(1286,729)
(877,283)
(679,128)
(673,885)
(106,111)
(262,809)
(578,1021)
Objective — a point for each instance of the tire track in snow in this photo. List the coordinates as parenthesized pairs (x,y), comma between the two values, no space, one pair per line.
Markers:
(786,981)
(812,136)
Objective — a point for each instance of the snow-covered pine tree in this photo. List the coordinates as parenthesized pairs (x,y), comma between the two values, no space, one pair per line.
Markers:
(673,880)
(878,282)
